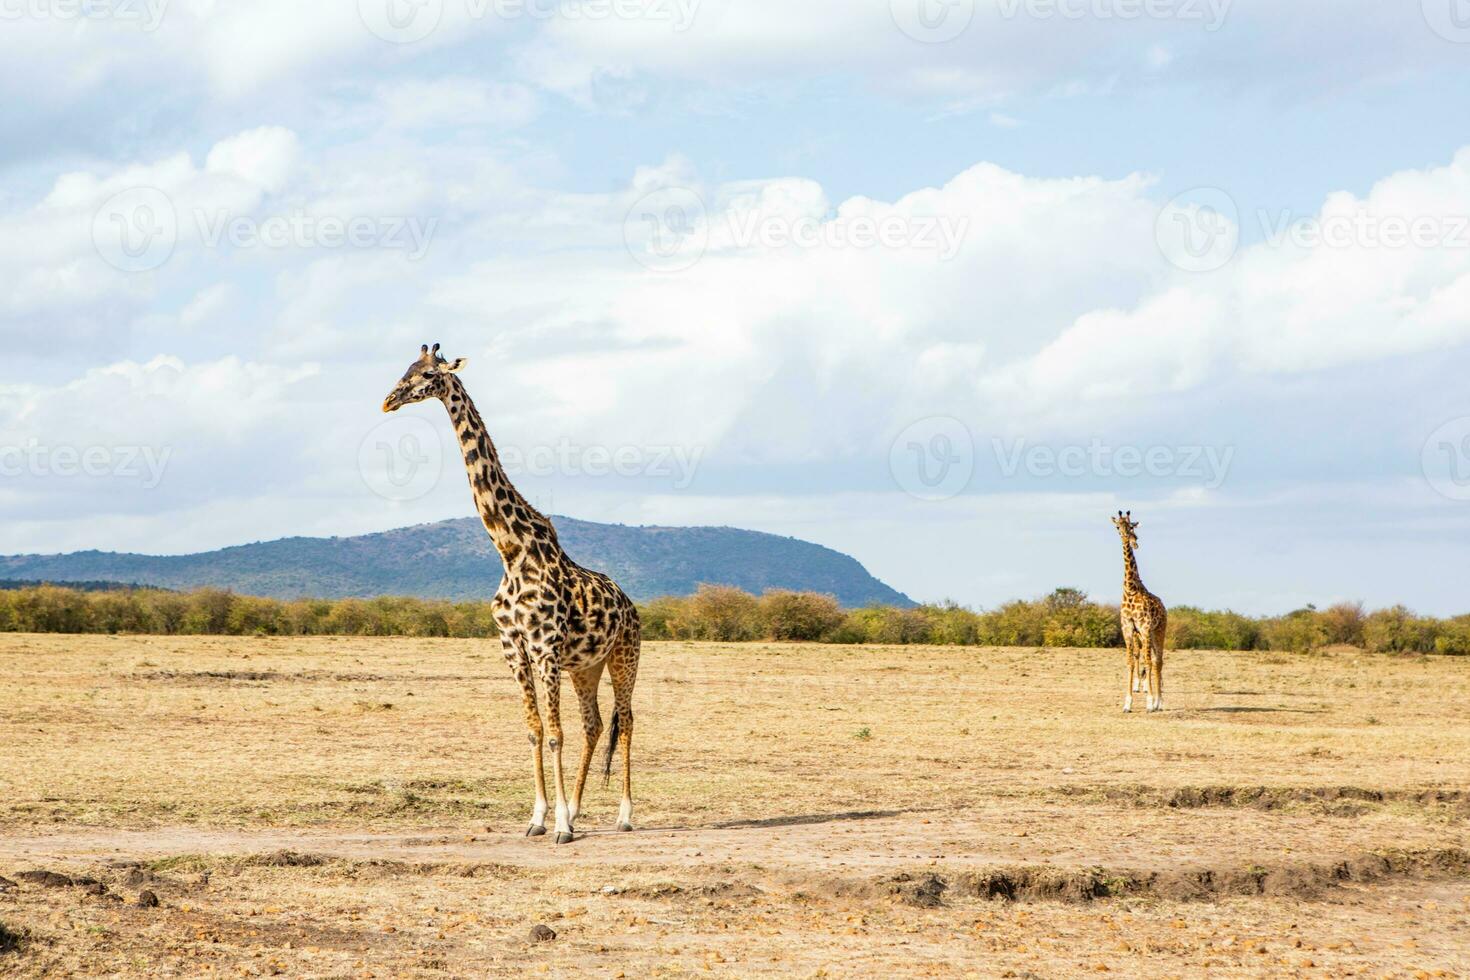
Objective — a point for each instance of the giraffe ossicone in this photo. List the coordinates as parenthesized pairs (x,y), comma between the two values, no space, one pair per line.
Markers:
(555,617)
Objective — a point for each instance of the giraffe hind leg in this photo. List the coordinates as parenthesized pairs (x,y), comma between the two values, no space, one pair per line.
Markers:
(1130,640)
(585,682)
(623,669)
(1156,674)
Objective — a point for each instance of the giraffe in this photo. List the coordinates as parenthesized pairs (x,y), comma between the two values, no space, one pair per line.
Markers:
(554,616)
(1144,620)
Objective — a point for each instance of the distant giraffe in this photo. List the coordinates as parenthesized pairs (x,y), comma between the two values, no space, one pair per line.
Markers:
(1144,620)
(553,614)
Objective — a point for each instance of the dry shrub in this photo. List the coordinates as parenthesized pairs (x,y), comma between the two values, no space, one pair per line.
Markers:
(799,615)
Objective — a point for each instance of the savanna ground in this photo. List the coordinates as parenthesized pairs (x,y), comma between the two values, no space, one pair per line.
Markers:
(347,807)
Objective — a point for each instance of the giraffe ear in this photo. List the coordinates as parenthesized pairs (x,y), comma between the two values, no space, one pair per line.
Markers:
(454,365)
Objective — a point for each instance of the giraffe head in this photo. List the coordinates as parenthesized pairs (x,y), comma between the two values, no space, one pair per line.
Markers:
(425,378)
(1127,528)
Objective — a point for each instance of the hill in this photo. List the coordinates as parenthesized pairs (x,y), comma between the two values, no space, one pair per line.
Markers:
(455,560)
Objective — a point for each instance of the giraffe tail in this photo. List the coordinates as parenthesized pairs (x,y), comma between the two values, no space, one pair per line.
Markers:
(612,744)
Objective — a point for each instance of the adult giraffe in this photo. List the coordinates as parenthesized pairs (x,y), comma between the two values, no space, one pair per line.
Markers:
(1144,620)
(553,614)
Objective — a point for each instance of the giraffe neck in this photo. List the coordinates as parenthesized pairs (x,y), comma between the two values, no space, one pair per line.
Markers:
(1131,582)
(517,529)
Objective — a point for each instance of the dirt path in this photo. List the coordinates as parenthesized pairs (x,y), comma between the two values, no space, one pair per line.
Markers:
(861,841)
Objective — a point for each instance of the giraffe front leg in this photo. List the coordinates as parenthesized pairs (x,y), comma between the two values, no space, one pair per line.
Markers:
(533,725)
(551,680)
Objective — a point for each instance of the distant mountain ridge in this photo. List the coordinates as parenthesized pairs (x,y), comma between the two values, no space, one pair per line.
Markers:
(455,559)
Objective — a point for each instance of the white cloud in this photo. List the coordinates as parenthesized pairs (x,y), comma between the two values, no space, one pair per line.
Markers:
(237,51)
(1058,301)
(1007,49)
(1015,300)
(55,253)
(164,399)
(264,157)
(874,332)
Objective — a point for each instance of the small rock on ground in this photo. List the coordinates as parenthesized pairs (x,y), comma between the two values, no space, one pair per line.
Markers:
(147,900)
(542,934)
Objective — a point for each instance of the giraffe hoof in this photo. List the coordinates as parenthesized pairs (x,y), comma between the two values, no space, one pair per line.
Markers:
(625,828)
(535,831)
(563,838)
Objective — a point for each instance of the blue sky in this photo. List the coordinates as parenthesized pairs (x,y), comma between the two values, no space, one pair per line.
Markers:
(942,304)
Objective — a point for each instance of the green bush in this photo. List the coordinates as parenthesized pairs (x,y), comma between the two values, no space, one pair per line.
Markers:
(1070,620)
(1015,624)
(167,610)
(803,616)
(1397,630)
(306,617)
(1344,623)
(119,612)
(254,616)
(887,625)
(954,625)
(1195,629)
(1296,632)
(208,612)
(1454,637)
(350,617)
(661,617)
(49,609)
(725,613)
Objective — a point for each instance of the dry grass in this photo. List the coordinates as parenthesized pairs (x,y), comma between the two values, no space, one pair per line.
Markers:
(334,807)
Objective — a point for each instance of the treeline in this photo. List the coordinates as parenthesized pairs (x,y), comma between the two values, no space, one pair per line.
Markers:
(1066,617)
(101,585)
(53,609)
